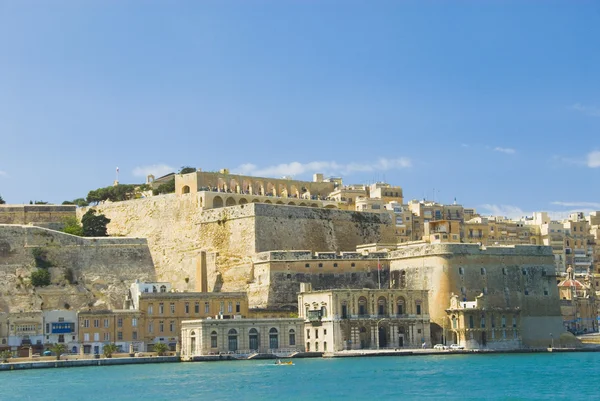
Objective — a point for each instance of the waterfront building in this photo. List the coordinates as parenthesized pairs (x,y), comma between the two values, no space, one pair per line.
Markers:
(60,327)
(25,330)
(98,328)
(478,324)
(578,303)
(344,319)
(282,337)
(3,331)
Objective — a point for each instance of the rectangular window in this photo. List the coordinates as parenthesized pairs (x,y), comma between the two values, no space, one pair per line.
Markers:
(187,308)
(237,307)
(197,307)
(119,335)
(96,336)
(106,336)
(86,336)
(47,327)
(161,327)
(134,322)
(229,307)
(134,335)
(172,308)
(150,309)
(96,322)
(213,341)
(120,322)
(161,308)
(324,332)
(207,307)
(86,323)
(150,328)
(514,321)
(222,307)
(105,323)
(172,326)
(316,333)
(292,338)
(418,309)
(307,334)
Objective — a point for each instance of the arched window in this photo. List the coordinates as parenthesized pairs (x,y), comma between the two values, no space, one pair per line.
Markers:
(192,343)
(163,288)
(273,338)
(213,339)
(400,309)
(154,288)
(403,279)
(253,339)
(381,306)
(344,310)
(292,337)
(454,322)
(233,340)
(362,306)
(323,311)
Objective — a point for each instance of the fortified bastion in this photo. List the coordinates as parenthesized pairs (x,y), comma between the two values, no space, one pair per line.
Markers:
(48,216)
(85,272)
(179,230)
(520,276)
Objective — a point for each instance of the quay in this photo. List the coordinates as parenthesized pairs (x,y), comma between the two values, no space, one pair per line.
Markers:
(72,363)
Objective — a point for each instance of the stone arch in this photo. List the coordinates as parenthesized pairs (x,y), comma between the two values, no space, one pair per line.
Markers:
(294,192)
(279,202)
(247,187)
(302,204)
(253,339)
(291,204)
(314,205)
(255,201)
(217,202)
(222,185)
(363,306)
(267,201)
(330,207)
(230,201)
(283,190)
(271,190)
(234,186)
(533,241)
(382,306)
(243,201)
(185,189)
(258,188)
(400,306)
(273,338)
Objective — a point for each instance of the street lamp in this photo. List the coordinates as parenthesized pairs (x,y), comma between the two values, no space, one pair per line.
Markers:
(551,341)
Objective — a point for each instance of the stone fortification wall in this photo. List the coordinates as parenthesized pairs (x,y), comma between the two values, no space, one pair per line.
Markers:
(85,271)
(520,276)
(178,230)
(49,216)
(277,275)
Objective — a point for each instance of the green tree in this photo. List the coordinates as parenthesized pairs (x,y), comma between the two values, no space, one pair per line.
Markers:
(109,349)
(2,201)
(40,278)
(94,226)
(58,349)
(5,356)
(161,348)
(165,188)
(72,226)
(187,169)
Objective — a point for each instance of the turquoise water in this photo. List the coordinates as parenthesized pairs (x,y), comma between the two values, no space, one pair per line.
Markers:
(496,377)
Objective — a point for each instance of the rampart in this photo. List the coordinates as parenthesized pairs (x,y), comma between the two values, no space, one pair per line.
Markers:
(520,276)
(178,230)
(85,271)
(49,216)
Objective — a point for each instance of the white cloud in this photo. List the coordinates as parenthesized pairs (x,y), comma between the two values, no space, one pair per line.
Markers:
(593,111)
(593,205)
(3,173)
(593,159)
(157,170)
(513,212)
(326,167)
(464,145)
(508,151)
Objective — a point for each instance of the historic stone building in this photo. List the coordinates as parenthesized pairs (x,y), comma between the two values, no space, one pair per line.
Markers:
(510,277)
(345,319)
(242,337)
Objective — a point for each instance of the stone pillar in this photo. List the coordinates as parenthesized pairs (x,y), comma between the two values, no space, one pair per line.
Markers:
(201,275)
(130,349)
(30,352)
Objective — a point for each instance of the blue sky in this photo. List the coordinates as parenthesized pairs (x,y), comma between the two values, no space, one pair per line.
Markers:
(496,103)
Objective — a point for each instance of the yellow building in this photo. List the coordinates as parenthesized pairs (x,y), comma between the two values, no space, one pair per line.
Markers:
(100,327)
(578,303)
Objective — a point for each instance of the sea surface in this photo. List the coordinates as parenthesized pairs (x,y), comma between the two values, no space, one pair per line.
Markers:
(447,377)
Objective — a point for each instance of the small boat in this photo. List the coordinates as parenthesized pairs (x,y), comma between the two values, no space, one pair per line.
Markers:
(283,363)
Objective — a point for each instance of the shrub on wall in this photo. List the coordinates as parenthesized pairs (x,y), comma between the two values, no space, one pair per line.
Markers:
(40,278)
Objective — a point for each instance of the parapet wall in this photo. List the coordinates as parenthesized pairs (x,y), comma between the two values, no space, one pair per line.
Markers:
(101,268)
(49,216)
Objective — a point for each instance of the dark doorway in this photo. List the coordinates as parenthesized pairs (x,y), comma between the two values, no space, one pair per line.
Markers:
(382,338)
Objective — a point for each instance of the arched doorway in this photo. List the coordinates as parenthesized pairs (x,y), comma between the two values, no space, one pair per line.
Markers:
(217,202)
(363,338)
(273,338)
(185,189)
(253,339)
(230,202)
(382,337)
(232,337)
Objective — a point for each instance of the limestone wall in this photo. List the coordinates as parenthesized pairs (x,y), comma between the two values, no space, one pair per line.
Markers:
(177,230)
(49,216)
(520,276)
(102,268)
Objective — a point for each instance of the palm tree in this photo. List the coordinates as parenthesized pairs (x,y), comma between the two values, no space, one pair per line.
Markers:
(58,349)
(161,348)
(5,356)
(109,349)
